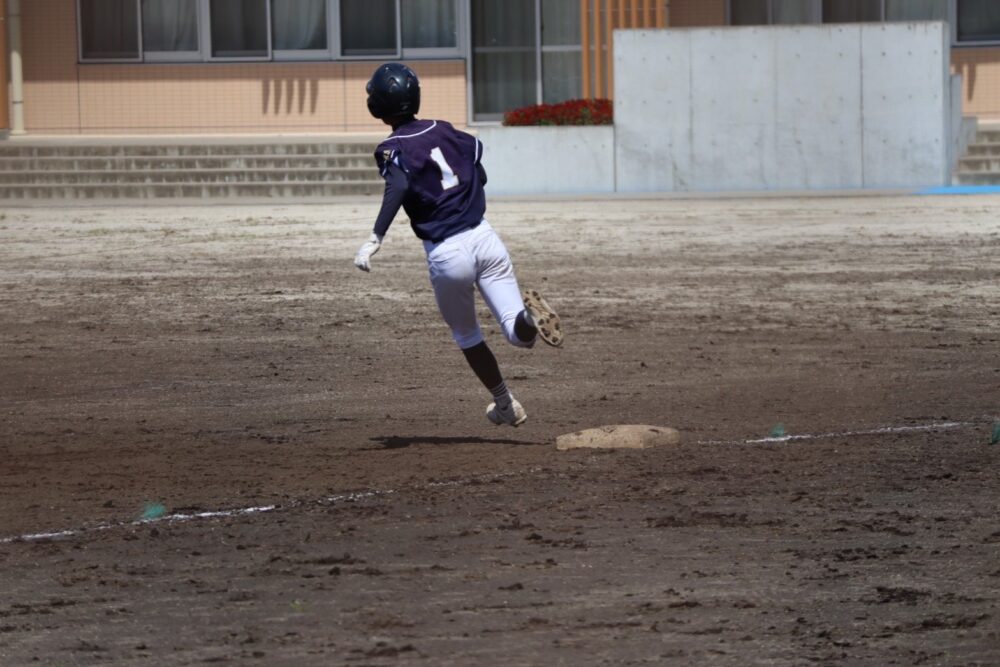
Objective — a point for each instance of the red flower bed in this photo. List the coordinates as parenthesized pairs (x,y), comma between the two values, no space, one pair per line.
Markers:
(572,112)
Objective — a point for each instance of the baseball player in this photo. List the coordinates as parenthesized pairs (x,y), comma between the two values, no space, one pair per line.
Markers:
(434,172)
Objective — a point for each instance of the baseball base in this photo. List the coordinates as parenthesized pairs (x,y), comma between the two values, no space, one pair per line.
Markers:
(621,436)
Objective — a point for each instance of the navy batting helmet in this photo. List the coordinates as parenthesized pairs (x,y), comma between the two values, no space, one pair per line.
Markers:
(393,90)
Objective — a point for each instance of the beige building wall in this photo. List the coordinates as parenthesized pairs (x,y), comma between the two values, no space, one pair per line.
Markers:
(980,70)
(65,97)
(62,96)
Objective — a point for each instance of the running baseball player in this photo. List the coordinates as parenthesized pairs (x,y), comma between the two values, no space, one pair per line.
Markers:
(433,172)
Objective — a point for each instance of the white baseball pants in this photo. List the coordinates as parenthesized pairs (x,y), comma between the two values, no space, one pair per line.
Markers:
(476,257)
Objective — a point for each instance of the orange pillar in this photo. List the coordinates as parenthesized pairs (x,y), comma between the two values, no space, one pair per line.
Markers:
(609,54)
(585,43)
(4,75)
(598,79)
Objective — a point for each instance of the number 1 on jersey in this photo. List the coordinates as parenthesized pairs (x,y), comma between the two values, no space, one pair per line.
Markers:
(448,177)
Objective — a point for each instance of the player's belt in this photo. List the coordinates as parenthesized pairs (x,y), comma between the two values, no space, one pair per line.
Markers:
(442,238)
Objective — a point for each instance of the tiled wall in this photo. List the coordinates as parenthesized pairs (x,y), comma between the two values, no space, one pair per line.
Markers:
(62,96)
(980,70)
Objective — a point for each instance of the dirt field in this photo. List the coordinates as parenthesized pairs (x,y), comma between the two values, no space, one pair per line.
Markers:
(358,509)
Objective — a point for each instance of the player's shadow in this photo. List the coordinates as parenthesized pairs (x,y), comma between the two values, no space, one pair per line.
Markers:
(401,441)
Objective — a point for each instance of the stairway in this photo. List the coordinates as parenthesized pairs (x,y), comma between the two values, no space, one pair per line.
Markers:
(981,163)
(126,169)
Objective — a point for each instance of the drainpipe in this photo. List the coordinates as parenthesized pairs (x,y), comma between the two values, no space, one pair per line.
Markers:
(16,75)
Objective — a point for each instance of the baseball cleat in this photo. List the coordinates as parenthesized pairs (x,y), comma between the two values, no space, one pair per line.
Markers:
(513,414)
(544,318)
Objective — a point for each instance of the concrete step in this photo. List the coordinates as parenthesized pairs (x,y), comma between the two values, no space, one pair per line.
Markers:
(17,149)
(129,162)
(977,178)
(977,164)
(988,135)
(983,148)
(296,190)
(181,176)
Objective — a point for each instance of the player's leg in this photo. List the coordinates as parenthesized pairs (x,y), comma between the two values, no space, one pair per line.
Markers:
(521,317)
(504,409)
(453,273)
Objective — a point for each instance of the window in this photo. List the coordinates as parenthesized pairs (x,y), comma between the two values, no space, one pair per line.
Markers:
(749,12)
(368,28)
(852,11)
(764,12)
(239,28)
(916,10)
(562,70)
(504,63)
(524,52)
(299,25)
(169,29)
(109,29)
(978,21)
(429,24)
(205,30)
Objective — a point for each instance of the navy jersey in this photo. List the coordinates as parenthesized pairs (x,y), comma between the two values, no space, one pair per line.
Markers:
(444,179)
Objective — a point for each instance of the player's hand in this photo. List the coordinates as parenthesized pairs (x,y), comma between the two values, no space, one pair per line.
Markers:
(363,259)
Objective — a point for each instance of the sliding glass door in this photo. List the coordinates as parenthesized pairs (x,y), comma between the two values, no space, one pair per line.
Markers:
(524,52)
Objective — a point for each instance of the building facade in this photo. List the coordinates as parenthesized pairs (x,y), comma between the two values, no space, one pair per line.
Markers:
(299,66)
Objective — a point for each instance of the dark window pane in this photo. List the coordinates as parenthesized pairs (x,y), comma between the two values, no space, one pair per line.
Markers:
(429,24)
(851,11)
(916,10)
(790,12)
(562,76)
(368,27)
(504,68)
(978,20)
(299,24)
(561,23)
(169,25)
(239,28)
(748,12)
(109,29)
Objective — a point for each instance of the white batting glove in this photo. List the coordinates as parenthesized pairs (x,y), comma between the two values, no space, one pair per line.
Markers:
(363,259)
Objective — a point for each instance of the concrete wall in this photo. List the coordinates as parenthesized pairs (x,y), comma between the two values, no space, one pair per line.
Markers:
(783,108)
(541,160)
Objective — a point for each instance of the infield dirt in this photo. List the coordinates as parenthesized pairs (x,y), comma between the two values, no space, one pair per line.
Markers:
(223,358)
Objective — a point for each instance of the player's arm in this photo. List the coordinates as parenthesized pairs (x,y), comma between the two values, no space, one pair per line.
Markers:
(396,184)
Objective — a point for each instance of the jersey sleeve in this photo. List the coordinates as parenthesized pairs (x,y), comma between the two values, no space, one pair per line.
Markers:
(386,154)
(396,185)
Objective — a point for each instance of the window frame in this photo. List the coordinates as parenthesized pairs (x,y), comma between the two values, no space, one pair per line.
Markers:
(333,52)
(438,52)
(538,48)
(79,38)
(339,53)
(306,55)
(818,8)
(953,20)
(174,56)
(208,48)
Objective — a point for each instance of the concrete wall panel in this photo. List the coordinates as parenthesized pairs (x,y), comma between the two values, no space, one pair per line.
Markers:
(906,100)
(818,107)
(733,85)
(784,107)
(652,110)
(542,160)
